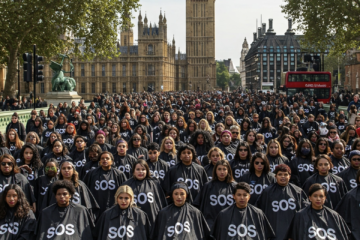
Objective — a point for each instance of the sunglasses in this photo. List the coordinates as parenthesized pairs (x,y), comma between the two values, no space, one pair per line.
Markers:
(7,164)
(257,163)
(136,139)
(50,168)
(235,133)
(356,159)
(322,144)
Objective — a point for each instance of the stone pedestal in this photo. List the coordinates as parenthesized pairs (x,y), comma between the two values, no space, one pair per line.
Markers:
(61,97)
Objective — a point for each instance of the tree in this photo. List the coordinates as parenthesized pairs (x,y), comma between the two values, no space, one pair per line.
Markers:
(42,22)
(327,24)
(235,81)
(222,75)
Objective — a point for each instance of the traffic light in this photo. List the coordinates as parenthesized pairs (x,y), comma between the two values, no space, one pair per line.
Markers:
(39,75)
(27,57)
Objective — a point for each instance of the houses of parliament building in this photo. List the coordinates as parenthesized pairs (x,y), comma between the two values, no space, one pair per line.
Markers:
(153,61)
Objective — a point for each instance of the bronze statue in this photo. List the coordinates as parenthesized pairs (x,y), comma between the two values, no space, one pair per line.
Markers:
(59,82)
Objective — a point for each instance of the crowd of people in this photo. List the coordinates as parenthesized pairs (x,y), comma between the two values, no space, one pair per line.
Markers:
(182,165)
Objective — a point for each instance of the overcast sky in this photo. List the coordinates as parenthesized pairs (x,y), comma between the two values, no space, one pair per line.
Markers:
(234,20)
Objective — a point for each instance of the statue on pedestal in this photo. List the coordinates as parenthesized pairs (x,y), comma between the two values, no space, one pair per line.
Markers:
(59,82)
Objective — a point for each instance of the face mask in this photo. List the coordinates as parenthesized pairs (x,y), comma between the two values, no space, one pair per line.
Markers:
(305,151)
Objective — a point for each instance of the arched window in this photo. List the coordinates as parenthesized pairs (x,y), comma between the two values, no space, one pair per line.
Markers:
(150,49)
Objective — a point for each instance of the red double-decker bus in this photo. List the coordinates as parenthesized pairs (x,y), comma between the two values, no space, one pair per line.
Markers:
(309,83)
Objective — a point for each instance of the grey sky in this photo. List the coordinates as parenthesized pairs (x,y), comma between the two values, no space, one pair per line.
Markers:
(235,20)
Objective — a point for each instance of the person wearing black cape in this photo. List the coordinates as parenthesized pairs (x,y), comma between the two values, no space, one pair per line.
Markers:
(317,221)
(93,160)
(59,152)
(10,174)
(43,182)
(17,221)
(241,162)
(259,176)
(338,159)
(158,167)
(122,160)
(82,193)
(104,181)
(281,200)
(148,193)
(216,195)
(168,151)
(242,220)
(335,185)
(135,148)
(348,208)
(78,155)
(180,220)
(187,171)
(64,219)
(124,221)
(226,146)
(202,142)
(274,155)
(214,155)
(349,174)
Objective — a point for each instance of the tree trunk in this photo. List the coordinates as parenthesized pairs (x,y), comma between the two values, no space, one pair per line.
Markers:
(11,73)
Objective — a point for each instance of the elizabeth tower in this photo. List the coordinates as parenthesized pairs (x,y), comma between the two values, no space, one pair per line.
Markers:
(200,44)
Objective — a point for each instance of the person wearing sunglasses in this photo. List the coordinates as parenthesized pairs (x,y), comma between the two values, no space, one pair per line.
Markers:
(10,174)
(335,184)
(349,174)
(259,176)
(322,146)
(135,148)
(241,162)
(281,200)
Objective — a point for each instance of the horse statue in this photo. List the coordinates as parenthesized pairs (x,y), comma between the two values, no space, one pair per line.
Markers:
(60,82)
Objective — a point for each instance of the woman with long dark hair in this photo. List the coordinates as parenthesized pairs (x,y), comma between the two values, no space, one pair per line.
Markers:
(13,142)
(145,138)
(338,159)
(16,218)
(250,138)
(59,152)
(219,128)
(50,128)
(202,142)
(288,146)
(144,122)
(258,176)
(322,147)
(30,163)
(245,127)
(267,130)
(125,129)
(191,128)
(216,195)
(174,133)
(37,127)
(60,124)
(241,162)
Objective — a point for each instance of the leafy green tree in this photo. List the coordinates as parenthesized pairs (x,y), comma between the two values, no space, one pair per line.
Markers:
(42,22)
(329,23)
(235,81)
(222,75)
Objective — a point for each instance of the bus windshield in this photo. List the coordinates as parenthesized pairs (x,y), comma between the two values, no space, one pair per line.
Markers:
(308,78)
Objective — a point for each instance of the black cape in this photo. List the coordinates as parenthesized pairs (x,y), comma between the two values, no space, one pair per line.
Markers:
(148,196)
(20,180)
(41,187)
(158,169)
(339,164)
(181,223)
(301,169)
(79,159)
(242,224)
(193,175)
(349,177)
(348,208)
(275,161)
(229,150)
(280,205)
(82,196)
(239,168)
(257,184)
(335,185)
(119,224)
(214,196)
(322,224)
(103,185)
(12,228)
(124,164)
(209,170)
(71,222)
(170,158)
(136,152)
(88,167)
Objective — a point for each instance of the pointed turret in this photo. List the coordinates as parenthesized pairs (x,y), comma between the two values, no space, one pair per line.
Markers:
(245,44)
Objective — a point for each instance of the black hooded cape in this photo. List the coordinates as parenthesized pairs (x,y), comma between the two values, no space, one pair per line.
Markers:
(209,170)
(71,222)
(339,164)
(82,196)
(322,224)
(158,169)
(193,175)
(257,184)
(247,223)
(349,210)
(280,205)
(148,196)
(41,187)
(103,185)
(214,196)
(118,224)
(185,222)
(239,168)
(229,150)
(301,169)
(349,177)
(170,158)
(14,228)
(335,185)
(124,164)
(275,161)
(20,180)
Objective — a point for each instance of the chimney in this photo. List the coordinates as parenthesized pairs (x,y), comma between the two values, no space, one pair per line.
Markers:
(254,37)
(259,33)
(270,31)
(290,24)
(263,28)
